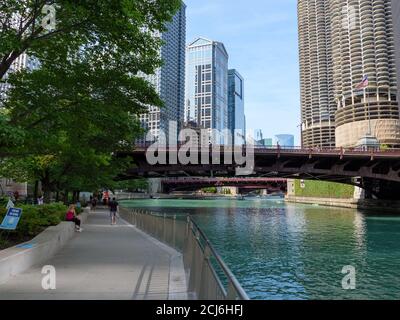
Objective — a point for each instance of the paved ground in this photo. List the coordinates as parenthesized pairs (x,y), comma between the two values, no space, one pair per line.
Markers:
(106,262)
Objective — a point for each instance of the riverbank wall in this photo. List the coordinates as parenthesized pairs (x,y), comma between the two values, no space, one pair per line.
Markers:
(373,206)
(337,195)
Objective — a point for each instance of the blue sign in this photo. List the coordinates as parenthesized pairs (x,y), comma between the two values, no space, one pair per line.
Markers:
(25,246)
(11,219)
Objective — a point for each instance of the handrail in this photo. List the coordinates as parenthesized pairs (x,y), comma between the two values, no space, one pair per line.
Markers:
(231,277)
(287,149)
(192,232)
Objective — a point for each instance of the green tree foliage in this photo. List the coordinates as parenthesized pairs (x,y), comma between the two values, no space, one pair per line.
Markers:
(62,122)
(131,185)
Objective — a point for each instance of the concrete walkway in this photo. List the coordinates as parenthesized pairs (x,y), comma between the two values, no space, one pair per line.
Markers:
(106,262)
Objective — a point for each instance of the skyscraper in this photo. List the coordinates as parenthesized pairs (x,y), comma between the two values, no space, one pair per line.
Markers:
(396,25)
(284,140)
(207,84)
(236,119)
(169,80)
(22,62)
(341,42)
(318,104)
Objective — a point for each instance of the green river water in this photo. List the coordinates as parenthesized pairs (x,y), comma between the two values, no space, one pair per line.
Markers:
(279,250)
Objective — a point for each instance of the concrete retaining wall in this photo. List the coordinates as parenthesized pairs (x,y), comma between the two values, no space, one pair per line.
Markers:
(377,206)
(18,259)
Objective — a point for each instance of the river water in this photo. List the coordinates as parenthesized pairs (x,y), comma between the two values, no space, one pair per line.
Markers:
(279,250)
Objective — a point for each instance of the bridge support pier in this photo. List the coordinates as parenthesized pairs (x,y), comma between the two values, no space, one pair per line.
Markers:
(381,189)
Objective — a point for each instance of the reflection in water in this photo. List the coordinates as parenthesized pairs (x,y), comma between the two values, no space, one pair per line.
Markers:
(287,251)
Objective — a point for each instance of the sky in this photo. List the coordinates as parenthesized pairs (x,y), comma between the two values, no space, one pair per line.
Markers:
(261,39)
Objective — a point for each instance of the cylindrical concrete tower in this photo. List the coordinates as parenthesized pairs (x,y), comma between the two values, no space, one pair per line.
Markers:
(341,42)
(317,98)
(363,45)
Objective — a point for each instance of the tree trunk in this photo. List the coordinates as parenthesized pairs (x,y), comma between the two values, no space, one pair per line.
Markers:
(46,193)
(66,194)
(36,191)
(46,187)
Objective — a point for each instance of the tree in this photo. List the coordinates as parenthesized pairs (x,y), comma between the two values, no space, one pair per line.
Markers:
(82,103)
(78,23)
(118,33)
(75,119)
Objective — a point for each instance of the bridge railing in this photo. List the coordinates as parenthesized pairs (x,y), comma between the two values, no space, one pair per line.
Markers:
(298,149)
(208,277)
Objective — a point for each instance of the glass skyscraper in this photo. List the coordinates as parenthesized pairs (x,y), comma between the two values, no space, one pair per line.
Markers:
(284,140)
(169,80)
(236,118)
(207,85)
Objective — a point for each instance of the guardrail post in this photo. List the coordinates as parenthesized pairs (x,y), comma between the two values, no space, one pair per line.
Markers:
(188,249)
(192,261)
(174,232)
(164,227)
(205,275)
(231,292)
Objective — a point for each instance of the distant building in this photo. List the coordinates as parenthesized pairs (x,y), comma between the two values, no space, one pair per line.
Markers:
(258,135)
(169,80)
(195,137)
(284,140)
(258,138)
(268,142)
(207,85)
(22,62)
(236,118)
(9,187)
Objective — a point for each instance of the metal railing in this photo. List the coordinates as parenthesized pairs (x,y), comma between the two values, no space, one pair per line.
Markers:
(208,277)
(285,149)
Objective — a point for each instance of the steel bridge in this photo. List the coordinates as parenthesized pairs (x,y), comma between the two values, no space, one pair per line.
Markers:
(179,184)
(378,172)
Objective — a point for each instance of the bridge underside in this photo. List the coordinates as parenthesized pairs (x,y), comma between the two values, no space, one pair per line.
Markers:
(378,174)
(271,187)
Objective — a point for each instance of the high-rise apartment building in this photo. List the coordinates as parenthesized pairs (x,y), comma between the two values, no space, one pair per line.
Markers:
(22,62)
(318,103)
(169,80)
(341,42)
(236,118)
(207,85)
(396,28)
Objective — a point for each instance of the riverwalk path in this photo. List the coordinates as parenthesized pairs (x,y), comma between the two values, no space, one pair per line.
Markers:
(106,262)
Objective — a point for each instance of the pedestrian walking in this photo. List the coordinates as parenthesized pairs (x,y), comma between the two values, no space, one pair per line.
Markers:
(114,208)
(93,204)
